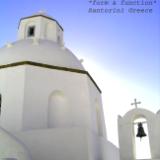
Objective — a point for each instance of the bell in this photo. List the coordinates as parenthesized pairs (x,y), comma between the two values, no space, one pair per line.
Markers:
(141,132)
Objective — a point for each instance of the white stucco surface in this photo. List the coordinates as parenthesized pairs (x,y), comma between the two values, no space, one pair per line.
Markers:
(12,148)
(30,122)
(67,143)
(12,83)
(28,89)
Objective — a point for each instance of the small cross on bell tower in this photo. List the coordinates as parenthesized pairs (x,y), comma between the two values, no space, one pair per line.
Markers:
(140,129)
(135,103)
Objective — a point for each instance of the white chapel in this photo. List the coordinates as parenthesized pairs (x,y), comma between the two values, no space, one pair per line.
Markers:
(50,106)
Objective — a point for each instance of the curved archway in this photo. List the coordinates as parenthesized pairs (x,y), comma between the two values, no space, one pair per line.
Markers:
(136,113)
(58,110)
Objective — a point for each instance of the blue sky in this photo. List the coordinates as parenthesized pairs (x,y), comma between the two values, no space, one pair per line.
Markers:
(121,51)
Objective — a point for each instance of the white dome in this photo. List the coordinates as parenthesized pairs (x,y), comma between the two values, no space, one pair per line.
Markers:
(40,51)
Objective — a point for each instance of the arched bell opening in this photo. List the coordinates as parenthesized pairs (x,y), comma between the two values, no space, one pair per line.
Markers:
(141,139)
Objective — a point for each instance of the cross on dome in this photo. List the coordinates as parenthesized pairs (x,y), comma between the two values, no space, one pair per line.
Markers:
(42,12)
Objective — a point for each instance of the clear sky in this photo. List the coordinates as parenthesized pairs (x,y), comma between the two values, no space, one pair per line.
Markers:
(121,51)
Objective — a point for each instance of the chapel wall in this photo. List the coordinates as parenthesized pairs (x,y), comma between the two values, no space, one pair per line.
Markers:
(12,82)
(41,84)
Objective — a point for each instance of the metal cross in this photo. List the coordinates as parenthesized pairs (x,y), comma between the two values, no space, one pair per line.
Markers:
(135,103)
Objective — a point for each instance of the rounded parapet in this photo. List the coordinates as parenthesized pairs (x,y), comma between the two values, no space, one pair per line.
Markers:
(137,113)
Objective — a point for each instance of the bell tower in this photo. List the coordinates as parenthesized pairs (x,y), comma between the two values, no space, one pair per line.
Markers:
(40,26)
(134,128)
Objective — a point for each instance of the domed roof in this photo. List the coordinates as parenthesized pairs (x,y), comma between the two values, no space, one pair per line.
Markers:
(40,51)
